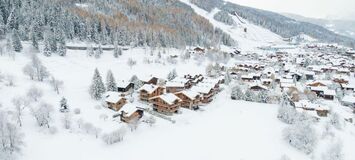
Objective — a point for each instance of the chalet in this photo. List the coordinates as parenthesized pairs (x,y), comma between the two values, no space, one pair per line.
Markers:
(198,50)
(329,94)
(257,87)
(319,90)
(114,100)
(322,111)
(266,82)
(319,83)
(348,87)
(310,107)
(150,80)
(129,113)
(166,103)
(348,101)
(124,86)
(207,92)
(173,87)
(247,78)
(148,91)
(309,75)
(340,81)
(189,99)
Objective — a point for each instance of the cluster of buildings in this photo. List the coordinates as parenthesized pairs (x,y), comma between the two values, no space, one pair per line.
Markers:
(166,97)
(307,73)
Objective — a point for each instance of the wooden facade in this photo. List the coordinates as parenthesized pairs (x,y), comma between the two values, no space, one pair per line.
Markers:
(130,118)
(189,102)
(145,95)
(118,105)
(162,106)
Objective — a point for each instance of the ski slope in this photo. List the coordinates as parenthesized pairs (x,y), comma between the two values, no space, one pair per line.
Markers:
(254,37)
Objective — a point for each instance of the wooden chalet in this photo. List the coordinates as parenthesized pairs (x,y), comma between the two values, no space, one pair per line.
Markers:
(189,99)
(115,101)
(207,92)
(166,103)
(257,87)
(150,80)
(124,86)
(148,91)
(329,94)
(347,87)
(129,113)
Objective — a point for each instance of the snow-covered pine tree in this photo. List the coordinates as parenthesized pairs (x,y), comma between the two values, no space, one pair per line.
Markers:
(287,113)
(46,50)
(137,83)
(302,136)
(90,51)
(99,51)
(172,75)
(249,95)
(97,88)
(263,97)
(64,105)
(16,42)
(34,40)
(110,82)
(115,50)
(227,78)
(237,93)
(62,50)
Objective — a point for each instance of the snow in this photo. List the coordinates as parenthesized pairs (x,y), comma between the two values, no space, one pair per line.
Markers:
(128,108)
(149,88)
(112,97)
(255,36)
(169,98)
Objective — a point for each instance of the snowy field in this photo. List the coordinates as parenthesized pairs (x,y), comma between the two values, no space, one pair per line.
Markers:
(224,129)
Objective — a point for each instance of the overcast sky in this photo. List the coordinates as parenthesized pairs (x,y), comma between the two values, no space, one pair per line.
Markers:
(339,9)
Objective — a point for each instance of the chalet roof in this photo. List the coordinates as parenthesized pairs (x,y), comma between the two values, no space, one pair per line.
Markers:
(329,92)
(112,97)
(169,98)
(149,88)
(128,108)
(122,84)
(204,89)
(190,94)
(174,84)
(257,84)
(348,99)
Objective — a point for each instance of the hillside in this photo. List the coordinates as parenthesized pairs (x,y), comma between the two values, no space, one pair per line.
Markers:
(136,22)
(342,27)
(277,23)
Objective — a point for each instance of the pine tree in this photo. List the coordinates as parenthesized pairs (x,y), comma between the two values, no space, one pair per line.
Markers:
(2,25)
(172,75)
(116,50)
(46,50)
(64,105)
(90,51)
(97,88)
(110,82)
(62,50)
(237,93)
(34,39)
(98,52)
(16,42)
(249,96)
(227,78)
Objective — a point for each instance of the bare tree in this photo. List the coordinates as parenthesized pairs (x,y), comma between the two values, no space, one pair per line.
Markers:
(56,84)
(42,114)
(20,104)
(34,93)
(67,120)
(131,62)
(11,138)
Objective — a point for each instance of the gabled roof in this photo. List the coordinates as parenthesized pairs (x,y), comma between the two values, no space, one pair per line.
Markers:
(190,94)
(348,99)
(112,97)
(169,98)
(128,108)
(149,88)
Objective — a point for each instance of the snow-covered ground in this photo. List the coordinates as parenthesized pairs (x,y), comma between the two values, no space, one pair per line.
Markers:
(224,129)
(247,41)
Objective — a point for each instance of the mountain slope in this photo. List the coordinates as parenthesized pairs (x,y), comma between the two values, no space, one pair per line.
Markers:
(277,23)
(343,27)
(254,36)
(163,23)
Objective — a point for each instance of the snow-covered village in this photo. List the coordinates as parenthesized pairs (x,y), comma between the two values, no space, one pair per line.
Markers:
(172,79)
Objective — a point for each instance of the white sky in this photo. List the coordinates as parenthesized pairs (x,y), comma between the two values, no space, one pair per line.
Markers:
(339,9)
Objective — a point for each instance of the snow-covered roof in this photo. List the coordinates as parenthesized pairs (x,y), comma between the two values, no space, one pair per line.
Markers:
(122,84)
(149,88)
(112,97)
(128,108)
(191,94)
(202,89)
(329,92)
(169,98)
(348,99)
(174,84)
